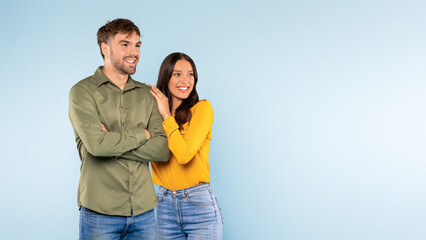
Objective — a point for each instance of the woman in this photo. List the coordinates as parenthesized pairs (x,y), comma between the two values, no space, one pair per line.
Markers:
(187,207)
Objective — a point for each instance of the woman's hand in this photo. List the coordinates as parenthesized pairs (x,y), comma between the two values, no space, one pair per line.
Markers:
(162,102)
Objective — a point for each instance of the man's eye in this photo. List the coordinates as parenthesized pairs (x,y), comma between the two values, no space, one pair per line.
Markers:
(124,45)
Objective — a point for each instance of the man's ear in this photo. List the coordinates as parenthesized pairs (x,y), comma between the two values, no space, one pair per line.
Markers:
(105,49)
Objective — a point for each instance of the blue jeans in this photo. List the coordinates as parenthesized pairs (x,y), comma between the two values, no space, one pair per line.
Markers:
(191,213)
(94,225)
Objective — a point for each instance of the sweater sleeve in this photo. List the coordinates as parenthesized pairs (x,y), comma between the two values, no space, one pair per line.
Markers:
(185,145)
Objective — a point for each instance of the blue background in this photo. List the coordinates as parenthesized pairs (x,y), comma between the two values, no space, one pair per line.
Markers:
(319,128)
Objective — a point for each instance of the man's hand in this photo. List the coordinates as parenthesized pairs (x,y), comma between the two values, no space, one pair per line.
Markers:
(148,134)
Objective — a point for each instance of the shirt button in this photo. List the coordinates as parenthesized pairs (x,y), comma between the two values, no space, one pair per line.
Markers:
(131,193)
(131,173)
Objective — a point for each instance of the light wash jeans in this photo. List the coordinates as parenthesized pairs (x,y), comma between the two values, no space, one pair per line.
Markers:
(94,225)
(191,213)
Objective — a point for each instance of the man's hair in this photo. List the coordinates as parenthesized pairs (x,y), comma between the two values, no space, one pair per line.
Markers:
(111,28)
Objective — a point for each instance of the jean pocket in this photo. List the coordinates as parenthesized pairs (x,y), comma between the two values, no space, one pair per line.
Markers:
(87,211)
(201,197)
(160,196)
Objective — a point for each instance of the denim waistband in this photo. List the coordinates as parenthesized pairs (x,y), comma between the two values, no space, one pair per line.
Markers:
(184,192)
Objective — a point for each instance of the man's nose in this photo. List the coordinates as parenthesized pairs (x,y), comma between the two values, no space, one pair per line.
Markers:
(135,51)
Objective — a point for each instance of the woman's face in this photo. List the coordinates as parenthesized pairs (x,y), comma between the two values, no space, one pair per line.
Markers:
(182,81)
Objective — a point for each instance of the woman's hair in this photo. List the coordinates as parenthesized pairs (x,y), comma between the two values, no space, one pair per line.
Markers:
(183,113)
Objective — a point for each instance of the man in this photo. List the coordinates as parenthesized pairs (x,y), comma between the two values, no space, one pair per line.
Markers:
(118,130)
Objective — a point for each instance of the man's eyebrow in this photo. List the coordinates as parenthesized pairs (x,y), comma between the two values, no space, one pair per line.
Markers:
(125,41)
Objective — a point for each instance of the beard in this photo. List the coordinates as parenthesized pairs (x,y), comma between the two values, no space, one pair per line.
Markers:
(120,66)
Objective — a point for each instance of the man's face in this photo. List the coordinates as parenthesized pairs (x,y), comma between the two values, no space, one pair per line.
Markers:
(124,52)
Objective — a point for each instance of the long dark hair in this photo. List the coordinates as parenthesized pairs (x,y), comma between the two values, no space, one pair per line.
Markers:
(183,113)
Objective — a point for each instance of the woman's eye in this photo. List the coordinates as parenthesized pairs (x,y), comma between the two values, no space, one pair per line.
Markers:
(191,74)
(176,74)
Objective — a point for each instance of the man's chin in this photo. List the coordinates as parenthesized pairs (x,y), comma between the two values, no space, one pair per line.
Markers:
(132,70)
(129,71)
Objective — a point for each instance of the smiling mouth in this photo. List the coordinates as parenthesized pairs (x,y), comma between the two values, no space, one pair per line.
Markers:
(131,59)
(183,88)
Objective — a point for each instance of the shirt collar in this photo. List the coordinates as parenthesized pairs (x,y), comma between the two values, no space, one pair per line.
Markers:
(101,78)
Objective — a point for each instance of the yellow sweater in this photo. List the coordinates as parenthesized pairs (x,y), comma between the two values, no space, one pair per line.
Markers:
(188,165)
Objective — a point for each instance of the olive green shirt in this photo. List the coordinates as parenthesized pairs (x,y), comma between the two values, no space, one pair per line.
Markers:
(115,177)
